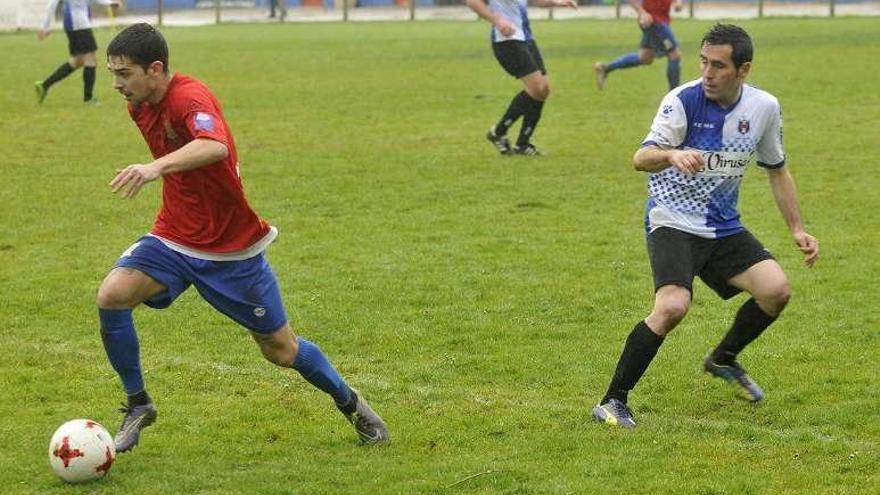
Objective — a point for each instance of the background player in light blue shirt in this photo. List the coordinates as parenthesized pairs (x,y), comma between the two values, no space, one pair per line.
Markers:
(515,49)
(702,138)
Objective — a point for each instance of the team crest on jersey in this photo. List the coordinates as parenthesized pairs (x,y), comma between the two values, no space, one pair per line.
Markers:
(743,127)
(170,132)
(203,122)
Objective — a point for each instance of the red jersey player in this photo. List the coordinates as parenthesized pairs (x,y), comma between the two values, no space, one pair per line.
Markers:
(205,235)
(658,40)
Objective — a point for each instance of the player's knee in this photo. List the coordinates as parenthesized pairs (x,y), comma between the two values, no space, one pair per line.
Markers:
(279,357)
(646,59)
(540,91)
(672,312)
(544,91)
(778,298)
(110,296)
(280,354)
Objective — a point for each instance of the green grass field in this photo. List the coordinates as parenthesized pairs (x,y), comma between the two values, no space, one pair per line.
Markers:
(480,302)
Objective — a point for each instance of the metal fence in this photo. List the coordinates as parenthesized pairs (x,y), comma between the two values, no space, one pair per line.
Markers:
(29,13)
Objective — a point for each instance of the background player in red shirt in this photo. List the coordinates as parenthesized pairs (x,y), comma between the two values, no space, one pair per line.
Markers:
(205,235)
(657,41)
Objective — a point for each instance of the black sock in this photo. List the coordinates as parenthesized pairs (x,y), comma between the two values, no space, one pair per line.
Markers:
(139,399)
(351,406)
(60,73)
(749,323)
(530,121)
(88,82)
(640,348)
(518,106)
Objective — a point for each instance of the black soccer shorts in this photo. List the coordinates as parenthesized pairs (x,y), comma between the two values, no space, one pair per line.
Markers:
(81,41)
(519,58)
(676,257)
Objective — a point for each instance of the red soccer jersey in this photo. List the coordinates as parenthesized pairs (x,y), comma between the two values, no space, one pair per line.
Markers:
(659,9)
(205,208)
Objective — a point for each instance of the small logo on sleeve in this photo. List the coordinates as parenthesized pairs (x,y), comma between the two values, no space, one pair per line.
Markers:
(203,122)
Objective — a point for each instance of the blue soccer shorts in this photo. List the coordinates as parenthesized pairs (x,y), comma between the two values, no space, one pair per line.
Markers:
(658,37)
(246,291)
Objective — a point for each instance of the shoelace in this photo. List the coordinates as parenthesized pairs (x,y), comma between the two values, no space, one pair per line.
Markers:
(736,370)
(128,415)
(739,374)
(358,420)
(742,376)
(621,410)
(361,423)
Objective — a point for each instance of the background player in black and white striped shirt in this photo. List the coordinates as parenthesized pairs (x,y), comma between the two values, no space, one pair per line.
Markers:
(515,49)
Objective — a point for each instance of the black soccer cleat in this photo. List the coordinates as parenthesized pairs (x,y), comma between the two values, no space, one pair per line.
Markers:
(527,150)
(368,425)
(499,142)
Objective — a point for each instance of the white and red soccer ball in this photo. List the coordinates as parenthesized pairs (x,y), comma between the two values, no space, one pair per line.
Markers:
(81,450)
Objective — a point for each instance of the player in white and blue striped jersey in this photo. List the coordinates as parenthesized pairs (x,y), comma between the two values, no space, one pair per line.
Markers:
(701,141)
(722,141)
(517,52)
(81,44)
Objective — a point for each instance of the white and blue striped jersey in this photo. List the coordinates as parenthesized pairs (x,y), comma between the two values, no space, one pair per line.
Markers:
(705,204)
(514,12)
(76,14)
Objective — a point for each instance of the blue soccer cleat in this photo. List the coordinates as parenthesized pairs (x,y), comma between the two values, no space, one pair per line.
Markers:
(735,375)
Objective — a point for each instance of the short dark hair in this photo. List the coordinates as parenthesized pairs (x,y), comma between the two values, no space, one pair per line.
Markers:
(735,36)
(142,44)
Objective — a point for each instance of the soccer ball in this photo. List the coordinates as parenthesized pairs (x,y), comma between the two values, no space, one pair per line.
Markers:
(81,450)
